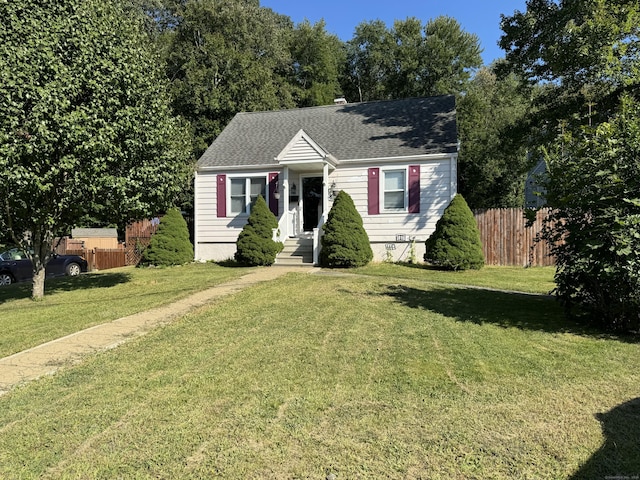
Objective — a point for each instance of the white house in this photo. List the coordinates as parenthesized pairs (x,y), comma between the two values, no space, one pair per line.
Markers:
(397,159)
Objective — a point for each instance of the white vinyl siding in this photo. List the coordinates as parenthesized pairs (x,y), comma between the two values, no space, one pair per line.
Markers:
(216,236)
(302,150)
(437,188)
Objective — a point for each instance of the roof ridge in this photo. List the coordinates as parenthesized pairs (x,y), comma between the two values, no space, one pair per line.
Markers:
(344,105)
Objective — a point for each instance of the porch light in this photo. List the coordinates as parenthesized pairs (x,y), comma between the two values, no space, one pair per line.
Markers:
(332,191)
(294,189)
(276,193)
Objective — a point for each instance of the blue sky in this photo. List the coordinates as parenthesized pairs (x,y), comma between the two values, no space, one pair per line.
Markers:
(342,16)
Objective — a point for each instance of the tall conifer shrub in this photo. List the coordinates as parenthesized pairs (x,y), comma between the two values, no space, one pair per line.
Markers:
(170,245)
(455,244)
(255,245)
(345,242)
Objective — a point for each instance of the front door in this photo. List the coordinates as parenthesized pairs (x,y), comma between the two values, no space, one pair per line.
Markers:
(311,202)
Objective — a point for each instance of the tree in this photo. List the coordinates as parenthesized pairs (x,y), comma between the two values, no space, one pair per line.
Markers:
(345,242)
(586,56)
(410,60)
(577,42)
(455,244)
(170,245)
(225,57)
(85,127)
(586,53)
(317,58)
(161,16)
(255,245)
(594,188)
(451,56)
(493,162)
(367,58)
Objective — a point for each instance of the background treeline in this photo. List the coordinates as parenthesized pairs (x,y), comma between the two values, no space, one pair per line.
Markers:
(222,57)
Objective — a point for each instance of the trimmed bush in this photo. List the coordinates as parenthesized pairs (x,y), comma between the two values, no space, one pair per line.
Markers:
(255,245)
(170,245)
(455,244)
(345,242)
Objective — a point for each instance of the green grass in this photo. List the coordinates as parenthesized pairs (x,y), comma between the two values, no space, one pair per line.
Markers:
(72,304)
(531,280)
(360,376)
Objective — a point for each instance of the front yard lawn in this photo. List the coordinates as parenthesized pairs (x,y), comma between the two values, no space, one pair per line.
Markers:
(357,376)
(531,280)
(74,303)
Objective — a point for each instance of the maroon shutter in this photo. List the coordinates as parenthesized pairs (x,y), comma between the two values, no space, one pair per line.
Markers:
(414,188)
(374,191)
(273,188)
(222,196)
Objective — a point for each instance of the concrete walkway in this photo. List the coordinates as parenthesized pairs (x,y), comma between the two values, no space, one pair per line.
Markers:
(47,358)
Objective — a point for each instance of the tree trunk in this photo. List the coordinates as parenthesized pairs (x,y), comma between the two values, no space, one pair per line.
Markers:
(38,282)
(40,257)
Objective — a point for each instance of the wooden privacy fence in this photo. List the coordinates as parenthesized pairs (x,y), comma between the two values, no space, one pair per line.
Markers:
(102,258)
(506,239)
(137,238)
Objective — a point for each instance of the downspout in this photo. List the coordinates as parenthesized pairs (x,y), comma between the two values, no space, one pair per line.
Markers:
(454,175)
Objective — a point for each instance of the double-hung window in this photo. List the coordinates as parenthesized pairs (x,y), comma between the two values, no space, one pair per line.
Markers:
(244,192)
(394,189)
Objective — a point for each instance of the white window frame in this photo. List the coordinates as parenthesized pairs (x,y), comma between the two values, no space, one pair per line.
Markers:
(383,191)
(247,192)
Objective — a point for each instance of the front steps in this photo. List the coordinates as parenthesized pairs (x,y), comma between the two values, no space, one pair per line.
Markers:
(296,251)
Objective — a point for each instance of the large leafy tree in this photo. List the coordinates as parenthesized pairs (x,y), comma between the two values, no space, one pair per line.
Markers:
(368,57)
(576,42)
(317,60)
(85,126)
(585,52)
(493,162)
(410,59)
(224,57)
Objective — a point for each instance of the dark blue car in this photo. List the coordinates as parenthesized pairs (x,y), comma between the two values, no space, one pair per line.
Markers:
(16,267)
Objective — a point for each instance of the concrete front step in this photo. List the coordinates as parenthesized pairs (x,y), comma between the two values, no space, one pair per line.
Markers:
(294,262)
(296,251)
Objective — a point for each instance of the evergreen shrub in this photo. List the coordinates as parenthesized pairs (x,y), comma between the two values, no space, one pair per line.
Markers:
(170,245)
(345,242)
(455,244)
(255,245)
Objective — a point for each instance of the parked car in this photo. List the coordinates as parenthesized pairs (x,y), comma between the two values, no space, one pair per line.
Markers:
(16,267)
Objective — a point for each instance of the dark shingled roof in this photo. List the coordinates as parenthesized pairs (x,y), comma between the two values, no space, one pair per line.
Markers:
(393,128)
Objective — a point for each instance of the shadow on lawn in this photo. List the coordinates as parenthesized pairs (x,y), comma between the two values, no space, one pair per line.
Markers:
(505,309)
(65,284)
(619,456)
